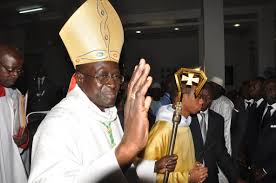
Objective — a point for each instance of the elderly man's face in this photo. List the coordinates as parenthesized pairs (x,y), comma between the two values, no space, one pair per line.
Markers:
(102,94)
(10,69)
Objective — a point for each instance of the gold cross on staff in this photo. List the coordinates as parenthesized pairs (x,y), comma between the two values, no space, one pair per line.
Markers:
(190,79)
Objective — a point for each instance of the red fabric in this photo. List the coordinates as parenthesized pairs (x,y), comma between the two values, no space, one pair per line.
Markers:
(73,83)
(19,136)
(2,91)
(25,145)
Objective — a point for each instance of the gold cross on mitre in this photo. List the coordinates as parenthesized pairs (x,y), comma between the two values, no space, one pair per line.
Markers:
(191,77)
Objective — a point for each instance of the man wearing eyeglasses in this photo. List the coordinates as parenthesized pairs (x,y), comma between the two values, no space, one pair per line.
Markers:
(81,139)
(13,136)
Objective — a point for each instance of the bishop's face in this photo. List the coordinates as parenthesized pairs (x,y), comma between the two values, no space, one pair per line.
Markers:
(102,92)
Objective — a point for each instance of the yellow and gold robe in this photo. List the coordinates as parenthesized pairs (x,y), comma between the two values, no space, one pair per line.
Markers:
(158,143)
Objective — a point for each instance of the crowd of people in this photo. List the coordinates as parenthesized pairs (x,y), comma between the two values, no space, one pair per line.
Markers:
(111,128)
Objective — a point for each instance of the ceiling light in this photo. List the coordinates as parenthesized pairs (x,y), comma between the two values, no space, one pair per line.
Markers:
(138,32)
(30,9)
(237,25)
(176,28)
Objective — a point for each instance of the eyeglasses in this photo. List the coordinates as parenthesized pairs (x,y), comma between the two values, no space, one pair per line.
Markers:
(10,71)
(105,78)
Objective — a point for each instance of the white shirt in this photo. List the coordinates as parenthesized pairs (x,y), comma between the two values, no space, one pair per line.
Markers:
(258,102)
(72,144)
(272,110)
(12,168)
(248,102)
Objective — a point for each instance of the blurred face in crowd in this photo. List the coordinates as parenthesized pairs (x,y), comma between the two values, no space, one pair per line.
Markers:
(100,81)
(207,99)
(244,90)
(270,91)
(256,89)
(190,103)
(10,65)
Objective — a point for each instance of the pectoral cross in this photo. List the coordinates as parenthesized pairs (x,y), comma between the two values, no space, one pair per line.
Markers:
(190,79)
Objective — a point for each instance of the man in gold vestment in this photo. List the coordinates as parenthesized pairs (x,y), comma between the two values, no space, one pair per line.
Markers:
(187,169)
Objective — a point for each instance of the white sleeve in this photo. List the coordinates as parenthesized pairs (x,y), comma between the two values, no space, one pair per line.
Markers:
(145,170)
(56,158)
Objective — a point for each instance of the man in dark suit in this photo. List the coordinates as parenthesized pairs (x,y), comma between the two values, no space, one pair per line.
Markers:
(208,137)
(255,112)
(264,161)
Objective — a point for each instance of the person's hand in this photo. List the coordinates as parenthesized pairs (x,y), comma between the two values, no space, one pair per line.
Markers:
(258,173)
(166,163)
(136,123)
(198,173)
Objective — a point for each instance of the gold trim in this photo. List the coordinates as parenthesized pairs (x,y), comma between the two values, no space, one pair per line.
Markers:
(196,73)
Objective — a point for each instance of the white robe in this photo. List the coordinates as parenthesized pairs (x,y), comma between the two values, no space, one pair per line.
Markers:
(72,144)
(12,168)
(224,107)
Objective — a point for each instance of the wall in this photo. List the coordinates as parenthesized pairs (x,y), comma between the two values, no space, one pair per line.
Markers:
(165,54)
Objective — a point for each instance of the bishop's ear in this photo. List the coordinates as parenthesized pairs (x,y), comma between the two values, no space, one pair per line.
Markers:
(79,77)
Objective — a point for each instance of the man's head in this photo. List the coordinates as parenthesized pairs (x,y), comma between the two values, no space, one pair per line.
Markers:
(155,91)
(244,90)
(190,103)
(100,81)
(256,88)
(189,83)
(270,91)
(218,87)
(207,96)
(94,37)
(11,62)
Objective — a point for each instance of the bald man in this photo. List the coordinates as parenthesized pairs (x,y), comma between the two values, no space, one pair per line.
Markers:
(13,137)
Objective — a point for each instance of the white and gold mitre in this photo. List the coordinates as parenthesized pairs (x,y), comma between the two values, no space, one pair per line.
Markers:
(94,33)
(190,77)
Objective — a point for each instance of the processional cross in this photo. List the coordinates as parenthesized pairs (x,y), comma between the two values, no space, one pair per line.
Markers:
(190,79)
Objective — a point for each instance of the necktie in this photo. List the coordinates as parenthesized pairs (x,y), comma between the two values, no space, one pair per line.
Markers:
(203,127)
(266,117)
(253,107)
(248,105)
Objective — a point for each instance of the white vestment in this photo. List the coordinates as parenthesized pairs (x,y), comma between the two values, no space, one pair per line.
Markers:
(12,168)
(73,144)
(224,107)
